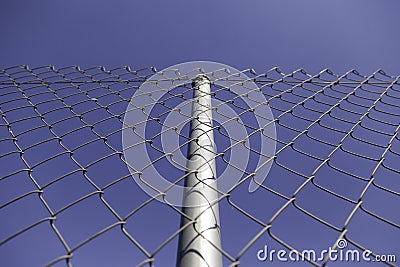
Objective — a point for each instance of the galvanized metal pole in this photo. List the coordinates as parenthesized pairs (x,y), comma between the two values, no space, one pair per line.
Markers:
(200,240)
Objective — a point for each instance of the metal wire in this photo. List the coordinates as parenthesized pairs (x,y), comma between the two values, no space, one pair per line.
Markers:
(337,142)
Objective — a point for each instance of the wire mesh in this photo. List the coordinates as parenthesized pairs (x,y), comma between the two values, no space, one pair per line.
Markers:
(68,198)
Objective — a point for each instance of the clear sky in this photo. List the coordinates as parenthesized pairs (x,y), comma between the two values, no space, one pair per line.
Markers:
(259,34)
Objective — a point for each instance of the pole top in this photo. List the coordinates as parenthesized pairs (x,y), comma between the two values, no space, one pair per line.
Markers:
(200,80)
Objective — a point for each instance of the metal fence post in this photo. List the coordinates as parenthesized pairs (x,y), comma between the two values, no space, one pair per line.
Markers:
(200,240)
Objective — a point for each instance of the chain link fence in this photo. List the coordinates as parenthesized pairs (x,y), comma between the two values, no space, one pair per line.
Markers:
(68,195)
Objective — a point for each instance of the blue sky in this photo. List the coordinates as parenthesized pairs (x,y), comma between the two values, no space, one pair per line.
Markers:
(254,34)
(310,34)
